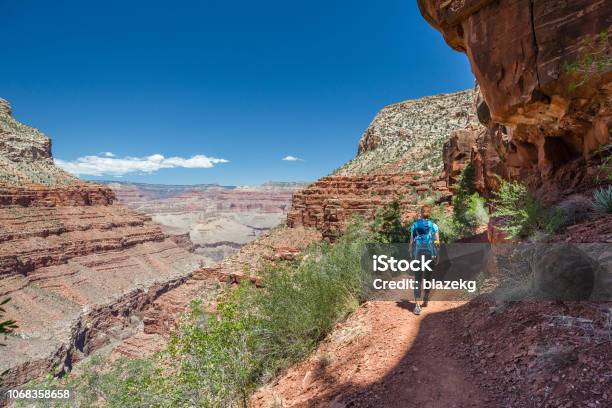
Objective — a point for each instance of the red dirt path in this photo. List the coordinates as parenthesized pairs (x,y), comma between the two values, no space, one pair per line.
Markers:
(382,356)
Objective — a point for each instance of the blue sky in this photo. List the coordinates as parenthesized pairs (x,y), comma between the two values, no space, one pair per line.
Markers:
(240,81)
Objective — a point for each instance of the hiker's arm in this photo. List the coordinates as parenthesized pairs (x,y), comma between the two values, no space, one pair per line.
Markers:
(410,244)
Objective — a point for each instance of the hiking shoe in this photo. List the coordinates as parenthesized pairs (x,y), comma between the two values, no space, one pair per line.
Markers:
(424,304)
(417,309)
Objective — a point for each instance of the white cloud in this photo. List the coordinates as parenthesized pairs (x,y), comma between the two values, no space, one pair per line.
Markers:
(108,165)
(291,158)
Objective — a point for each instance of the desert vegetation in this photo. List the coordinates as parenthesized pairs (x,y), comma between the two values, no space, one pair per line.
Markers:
(602,200)
(521,214)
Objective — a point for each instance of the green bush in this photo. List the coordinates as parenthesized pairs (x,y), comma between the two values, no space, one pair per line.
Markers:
(446,224)
(387,224)
(522,214)
(602,200)
(134,383)
(469,210)
(6,326)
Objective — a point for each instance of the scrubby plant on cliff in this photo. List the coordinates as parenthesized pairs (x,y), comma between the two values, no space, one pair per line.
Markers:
(602,200)
(522,215)
(6,326)
(261,330)
(593,60)
(444,219)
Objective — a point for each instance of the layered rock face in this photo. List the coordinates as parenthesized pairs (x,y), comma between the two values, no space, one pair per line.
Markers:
(544,70)
(408,136)
(79,269)
(332,201)
(399,157)
(218,219)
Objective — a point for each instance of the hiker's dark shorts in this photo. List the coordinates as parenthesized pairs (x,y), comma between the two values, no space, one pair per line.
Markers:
(420,275)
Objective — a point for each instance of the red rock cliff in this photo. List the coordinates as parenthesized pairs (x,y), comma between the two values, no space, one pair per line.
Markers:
(329,203)
(399,156)
(544,70)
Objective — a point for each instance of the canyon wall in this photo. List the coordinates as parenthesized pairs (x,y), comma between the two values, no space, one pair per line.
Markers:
(80,269)
(544,70)
(399,156)
(329,203)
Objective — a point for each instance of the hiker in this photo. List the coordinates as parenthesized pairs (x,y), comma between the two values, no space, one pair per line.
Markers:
(424,241)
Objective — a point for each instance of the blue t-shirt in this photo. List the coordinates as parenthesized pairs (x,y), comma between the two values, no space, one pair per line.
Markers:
(423,233)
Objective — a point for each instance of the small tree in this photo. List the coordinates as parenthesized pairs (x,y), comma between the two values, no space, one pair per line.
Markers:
(521,213)
(387,224)
(468,207)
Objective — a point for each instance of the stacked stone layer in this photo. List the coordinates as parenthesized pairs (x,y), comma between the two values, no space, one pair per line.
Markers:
(331,202)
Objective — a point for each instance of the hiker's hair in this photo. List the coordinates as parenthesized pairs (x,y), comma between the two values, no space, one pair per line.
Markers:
(425,211)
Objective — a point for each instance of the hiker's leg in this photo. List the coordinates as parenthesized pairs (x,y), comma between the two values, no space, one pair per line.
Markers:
(418,276)
(427,292)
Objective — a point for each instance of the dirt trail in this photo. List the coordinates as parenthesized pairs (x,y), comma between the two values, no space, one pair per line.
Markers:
(383,356)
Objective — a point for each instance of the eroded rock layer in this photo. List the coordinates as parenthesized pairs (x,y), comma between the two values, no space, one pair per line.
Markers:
(332,201)
(79,269)
(544,69)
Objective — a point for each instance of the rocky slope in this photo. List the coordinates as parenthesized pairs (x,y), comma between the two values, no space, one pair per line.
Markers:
(408,136)
(79,269)
(26,154)
(218,219)
(399,157)
(544,69)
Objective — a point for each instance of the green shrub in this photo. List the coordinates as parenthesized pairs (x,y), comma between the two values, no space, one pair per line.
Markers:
(128,382)
(521,213)
(469,209)
(446,225)
(602,200)
(6,326)
(387,224)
